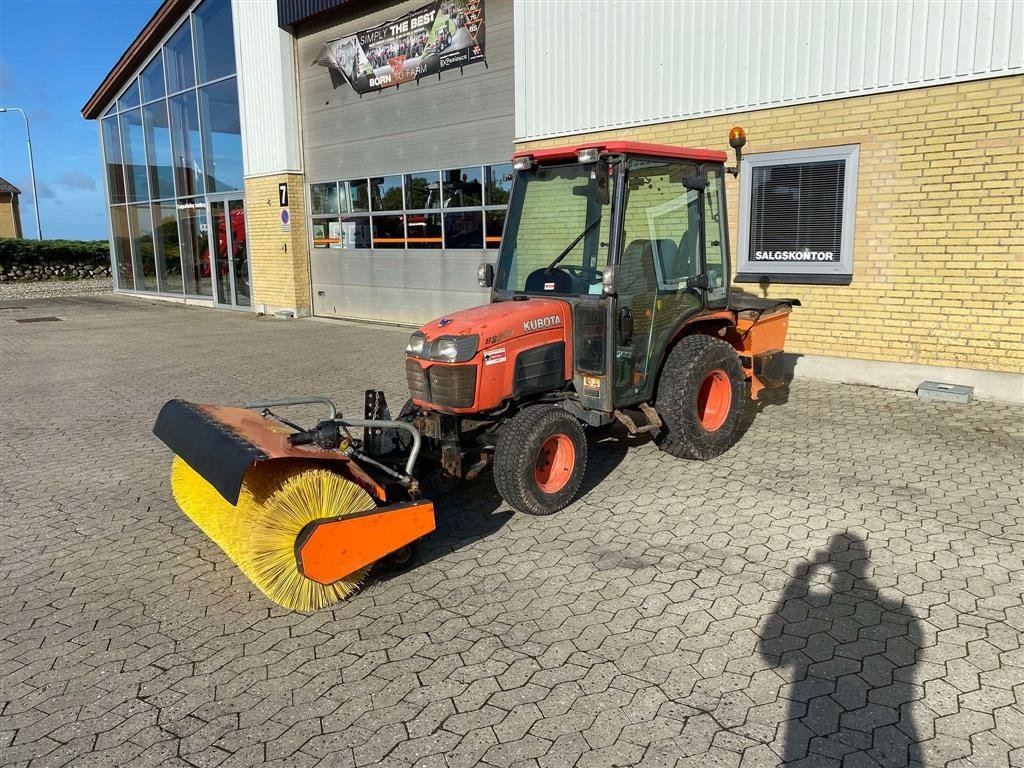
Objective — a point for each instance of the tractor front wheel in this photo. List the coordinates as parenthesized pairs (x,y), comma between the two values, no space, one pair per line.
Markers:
(701,397)
(540,459)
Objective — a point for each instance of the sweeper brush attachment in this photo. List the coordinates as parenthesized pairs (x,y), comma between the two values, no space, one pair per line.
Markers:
(304,523)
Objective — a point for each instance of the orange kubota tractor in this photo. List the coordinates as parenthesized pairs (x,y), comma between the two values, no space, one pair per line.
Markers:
(610,302)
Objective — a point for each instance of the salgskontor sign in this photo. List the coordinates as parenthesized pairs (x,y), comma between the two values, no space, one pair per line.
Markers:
(447,34)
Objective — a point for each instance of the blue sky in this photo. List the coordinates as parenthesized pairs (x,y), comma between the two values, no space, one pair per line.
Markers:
(53,54)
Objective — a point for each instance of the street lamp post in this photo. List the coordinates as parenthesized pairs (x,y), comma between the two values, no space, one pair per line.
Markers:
(31,167)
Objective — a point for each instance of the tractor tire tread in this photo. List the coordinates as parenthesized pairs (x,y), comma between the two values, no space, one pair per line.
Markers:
(515,457)
(686,366)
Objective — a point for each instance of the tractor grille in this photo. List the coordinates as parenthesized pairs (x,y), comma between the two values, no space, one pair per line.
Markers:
(447,386)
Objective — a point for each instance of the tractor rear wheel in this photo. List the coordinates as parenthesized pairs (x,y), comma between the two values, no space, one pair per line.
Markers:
(540,459)
(701,396)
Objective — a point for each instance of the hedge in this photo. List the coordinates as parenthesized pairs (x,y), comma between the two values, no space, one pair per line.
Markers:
(17,252)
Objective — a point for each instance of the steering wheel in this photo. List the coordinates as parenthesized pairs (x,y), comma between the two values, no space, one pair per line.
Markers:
(589,275)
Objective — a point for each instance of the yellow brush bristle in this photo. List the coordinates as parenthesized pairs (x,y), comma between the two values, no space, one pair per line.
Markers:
(276,502)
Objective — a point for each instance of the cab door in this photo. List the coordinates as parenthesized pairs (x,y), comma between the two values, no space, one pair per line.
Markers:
(661,249)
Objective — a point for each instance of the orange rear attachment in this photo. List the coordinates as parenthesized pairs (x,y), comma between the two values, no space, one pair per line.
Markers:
(763,339)
(328,550)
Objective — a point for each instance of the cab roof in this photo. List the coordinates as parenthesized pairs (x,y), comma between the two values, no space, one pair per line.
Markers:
(627,147)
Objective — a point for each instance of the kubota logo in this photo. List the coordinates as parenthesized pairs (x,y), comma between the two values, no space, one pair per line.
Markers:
(541,322)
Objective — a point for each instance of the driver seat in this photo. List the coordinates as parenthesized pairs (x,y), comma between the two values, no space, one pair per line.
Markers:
(537,279)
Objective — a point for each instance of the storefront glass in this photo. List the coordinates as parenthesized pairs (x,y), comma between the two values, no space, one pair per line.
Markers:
(222,136)
(158,150)
(169,141)
(215,45)
(168,250)
(473,200)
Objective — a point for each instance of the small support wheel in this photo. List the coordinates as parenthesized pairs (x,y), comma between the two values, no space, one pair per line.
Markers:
(701,395)
(400,560)
(540,460)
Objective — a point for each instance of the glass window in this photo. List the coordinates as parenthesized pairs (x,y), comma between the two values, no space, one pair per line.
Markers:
(158,150)
(140,224)
(463,187)
(354,196)
(124,272)
(389,231)
(553,208)
(110,110)
(152,80)
(495,223)
(386,193)
(133,150)
(423,190)
(112,159)
(195,248)
(186,144)
(323,198)
(168,251)
(499,184)
(326,233)
(800,210)
(661,239)
(424,230)
(130,98)
(222,136)
(181,72)
(715,236)
(354,232)
(215,40)
(464,229)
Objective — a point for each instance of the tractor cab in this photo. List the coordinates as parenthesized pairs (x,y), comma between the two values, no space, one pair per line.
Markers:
(633,236)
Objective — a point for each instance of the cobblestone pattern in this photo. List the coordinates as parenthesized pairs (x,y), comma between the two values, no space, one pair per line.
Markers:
(842,588)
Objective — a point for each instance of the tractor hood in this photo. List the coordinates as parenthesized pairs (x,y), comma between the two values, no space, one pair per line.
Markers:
(501,321)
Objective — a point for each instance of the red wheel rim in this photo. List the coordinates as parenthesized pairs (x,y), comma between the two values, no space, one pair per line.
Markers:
(714,400)
(555,463)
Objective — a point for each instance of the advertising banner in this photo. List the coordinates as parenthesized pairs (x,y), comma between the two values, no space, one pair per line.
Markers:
(446,34)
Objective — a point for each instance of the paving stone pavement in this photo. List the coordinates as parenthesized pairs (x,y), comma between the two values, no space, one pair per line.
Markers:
(844,588)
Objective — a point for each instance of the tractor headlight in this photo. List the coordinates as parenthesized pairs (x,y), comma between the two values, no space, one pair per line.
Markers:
(454,349)
(446,349)
(416,344)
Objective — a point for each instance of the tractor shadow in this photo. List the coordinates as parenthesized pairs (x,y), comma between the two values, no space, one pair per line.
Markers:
(474,511)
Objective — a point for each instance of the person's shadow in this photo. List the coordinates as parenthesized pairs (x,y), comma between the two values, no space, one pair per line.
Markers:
(850,654)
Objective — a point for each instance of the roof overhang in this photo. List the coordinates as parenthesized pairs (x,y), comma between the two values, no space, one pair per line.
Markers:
(164,20)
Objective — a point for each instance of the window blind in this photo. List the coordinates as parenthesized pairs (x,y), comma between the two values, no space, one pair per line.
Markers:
(796,212)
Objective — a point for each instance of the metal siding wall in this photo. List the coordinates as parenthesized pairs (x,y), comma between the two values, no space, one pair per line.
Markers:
(584,65)
(266,88)
(461,119)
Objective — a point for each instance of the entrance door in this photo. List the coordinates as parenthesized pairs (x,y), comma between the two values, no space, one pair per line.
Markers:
(228,243)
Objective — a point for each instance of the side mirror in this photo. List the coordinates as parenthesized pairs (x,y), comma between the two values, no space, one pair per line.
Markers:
(698,281)
(697,183)
(485,275)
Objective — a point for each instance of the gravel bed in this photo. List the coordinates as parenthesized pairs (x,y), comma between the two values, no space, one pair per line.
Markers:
(48,289)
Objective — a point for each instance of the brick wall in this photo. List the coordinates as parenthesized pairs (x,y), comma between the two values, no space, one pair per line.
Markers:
(938,263)
(10,217)
(279,260)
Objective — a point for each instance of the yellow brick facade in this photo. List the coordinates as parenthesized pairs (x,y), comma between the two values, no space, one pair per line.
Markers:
(10,216)
(278,260)
(938,262)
